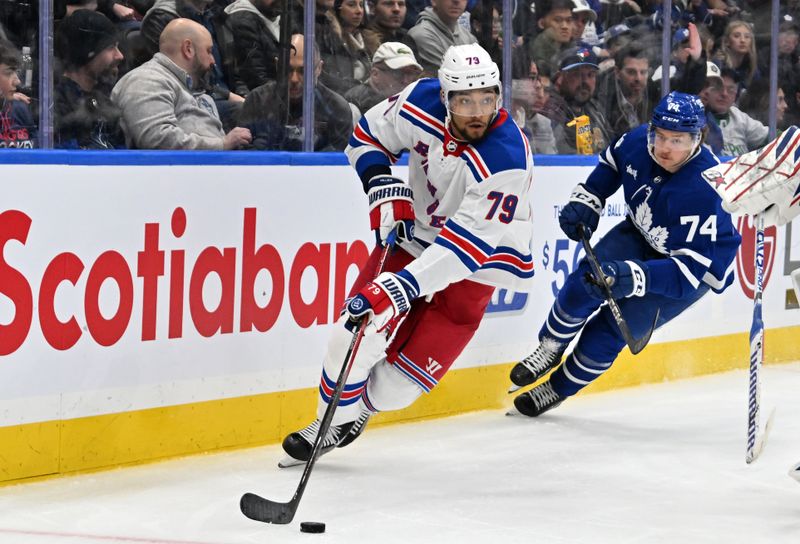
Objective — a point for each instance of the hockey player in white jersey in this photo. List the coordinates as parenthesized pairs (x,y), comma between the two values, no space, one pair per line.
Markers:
(464,225)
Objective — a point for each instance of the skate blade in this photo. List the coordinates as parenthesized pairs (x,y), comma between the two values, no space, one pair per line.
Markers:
(290,461)
(513,412)
(794,472)
(514,387)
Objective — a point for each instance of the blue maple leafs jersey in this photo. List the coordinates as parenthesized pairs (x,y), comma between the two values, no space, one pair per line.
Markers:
(679,214)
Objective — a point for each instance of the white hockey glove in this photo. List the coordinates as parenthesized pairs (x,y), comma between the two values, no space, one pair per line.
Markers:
(383,300)
(391,203)
(764,181)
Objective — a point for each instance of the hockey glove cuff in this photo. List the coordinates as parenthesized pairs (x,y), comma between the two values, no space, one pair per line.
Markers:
(583,207)
(626,279)
(391,203)
(382,301)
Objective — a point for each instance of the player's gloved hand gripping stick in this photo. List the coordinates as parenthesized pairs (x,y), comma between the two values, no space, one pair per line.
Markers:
(267,511)
(635,345)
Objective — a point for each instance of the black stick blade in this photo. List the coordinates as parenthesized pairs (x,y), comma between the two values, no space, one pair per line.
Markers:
(638,345)
(267,511)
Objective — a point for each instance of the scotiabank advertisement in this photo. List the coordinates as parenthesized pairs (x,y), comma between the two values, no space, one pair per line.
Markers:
(126,287)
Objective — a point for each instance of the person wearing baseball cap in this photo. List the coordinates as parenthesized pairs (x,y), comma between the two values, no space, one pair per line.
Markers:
(394,66)
(579,125)
(84,116)
(584,18)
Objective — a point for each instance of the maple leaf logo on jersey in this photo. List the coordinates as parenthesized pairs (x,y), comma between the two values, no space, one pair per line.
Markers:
(655,236)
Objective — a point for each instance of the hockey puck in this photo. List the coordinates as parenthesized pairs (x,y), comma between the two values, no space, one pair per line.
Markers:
(312,527)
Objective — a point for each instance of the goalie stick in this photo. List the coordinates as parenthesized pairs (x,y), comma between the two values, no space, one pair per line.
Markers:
(756,438)
(260,509)
(633,344)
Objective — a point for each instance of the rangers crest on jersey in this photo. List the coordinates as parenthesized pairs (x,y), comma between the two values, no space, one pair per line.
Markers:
(655,236)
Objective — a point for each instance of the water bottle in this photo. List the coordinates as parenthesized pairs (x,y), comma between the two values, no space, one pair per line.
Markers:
(26,68)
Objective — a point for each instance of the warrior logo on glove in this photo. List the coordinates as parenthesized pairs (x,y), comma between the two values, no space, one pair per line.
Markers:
(391,204)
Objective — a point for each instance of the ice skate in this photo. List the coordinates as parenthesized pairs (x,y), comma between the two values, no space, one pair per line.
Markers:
(356,429)
(537,401)
(298,445)
(537,364)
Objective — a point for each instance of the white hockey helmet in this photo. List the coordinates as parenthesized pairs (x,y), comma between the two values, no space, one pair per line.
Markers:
(468,67)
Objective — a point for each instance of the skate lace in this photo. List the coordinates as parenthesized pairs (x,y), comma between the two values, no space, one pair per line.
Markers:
(359,423)
(544,395)
(310,434)
(540,360)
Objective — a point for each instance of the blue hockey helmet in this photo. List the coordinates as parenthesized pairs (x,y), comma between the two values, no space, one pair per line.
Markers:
(680,112)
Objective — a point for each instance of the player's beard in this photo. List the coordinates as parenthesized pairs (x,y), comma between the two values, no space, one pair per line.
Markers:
(472,130)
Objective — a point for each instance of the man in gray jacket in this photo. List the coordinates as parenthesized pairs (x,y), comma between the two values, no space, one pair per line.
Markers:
(436,30)
(163,102)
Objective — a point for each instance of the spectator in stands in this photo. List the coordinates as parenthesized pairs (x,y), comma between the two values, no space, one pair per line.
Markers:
(788,57)
(255,27)
(350,15)
(623,92)
(163,101)
(755,102)
(385,24)
(115,11)
(17,127)
(526,99)
(84,115)
(583,22)
(393,68)
(489,37)
(278,125)
(687,72)
(791,87)
(210,14)
(579,124)
(740,132)
(436,30)
(345,62)
(738,52)
(556,22)
(615,12)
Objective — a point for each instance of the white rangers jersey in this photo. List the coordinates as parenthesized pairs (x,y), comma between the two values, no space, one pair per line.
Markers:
(473,217)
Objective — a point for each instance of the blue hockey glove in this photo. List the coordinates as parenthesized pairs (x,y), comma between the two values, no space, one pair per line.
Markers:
(391,203)
(626,279)
(583,207)
(382,300)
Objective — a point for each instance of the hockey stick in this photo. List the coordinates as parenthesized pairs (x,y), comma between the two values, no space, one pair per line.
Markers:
(261,509)
(633,344)
(757,440)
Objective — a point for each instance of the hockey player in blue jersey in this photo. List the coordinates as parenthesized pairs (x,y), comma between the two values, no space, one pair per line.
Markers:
(464,226)
(676,244)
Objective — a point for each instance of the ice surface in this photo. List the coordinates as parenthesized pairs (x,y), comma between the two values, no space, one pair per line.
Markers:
(654,464)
